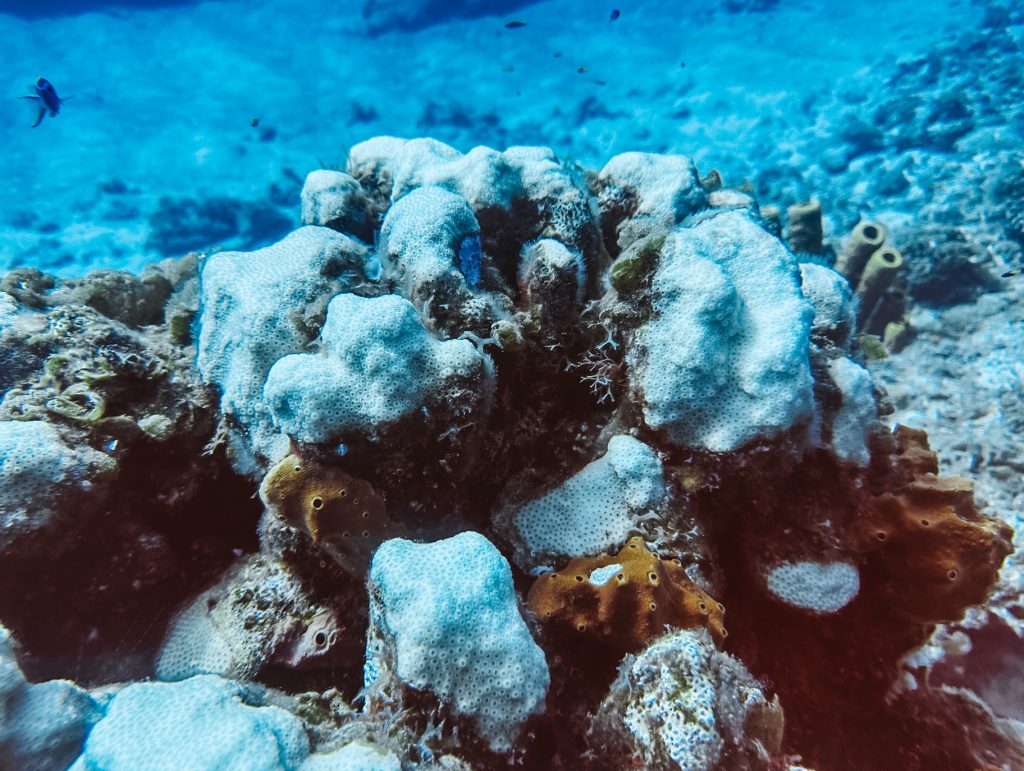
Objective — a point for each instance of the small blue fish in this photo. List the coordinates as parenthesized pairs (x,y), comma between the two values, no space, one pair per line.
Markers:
(615,14)
(46,100)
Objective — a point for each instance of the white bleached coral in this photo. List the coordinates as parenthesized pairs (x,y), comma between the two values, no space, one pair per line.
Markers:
(378,363)
(42,725)
(256,307)
(354,756)
(335,200)
(835,304)
(37,470)
(201,723)
(725,358)
(536,193)
(593,511)
(445,618)
(682,704)
(665,188)
(821,587)
(421,237)
(857,416)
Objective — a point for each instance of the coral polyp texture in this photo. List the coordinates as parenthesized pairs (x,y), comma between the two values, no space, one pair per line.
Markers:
(377,364)
(464,472)
(203,722)
(822,587)
(446,620)
(683,704)
(625,600)
(256,308)
(723,360)
(595,509)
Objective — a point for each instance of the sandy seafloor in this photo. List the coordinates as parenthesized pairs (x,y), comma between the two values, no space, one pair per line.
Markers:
(157,148)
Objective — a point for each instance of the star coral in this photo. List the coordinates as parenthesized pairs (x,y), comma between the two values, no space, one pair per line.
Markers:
(625,600)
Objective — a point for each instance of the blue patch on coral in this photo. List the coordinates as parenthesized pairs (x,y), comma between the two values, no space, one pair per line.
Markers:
(470,255)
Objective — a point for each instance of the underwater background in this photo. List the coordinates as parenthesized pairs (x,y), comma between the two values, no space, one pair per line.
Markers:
(554,384)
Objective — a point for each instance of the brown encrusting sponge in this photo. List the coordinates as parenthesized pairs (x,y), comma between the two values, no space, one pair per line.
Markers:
(341,513)
(928,553)
(628,607)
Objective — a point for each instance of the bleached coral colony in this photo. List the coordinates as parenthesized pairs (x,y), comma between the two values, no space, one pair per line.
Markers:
(557,468)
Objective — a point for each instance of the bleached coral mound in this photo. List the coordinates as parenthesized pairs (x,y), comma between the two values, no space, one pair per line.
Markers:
(38,471)
(256,307)
(820,587)
(724,360)
(445,619)
(203,723)
(377,364)
(42,725)
(593,511)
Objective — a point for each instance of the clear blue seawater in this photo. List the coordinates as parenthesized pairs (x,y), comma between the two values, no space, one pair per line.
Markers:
(165,96)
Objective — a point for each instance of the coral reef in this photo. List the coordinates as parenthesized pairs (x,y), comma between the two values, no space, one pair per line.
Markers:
(38,466)
(260,615)
(823,587)
(203,722)
(377,365)
(357,756)
(333,199)
(100,393)
(256,308)
(727,310)
(337,464)
(645,193)
(592,511)
(42,725)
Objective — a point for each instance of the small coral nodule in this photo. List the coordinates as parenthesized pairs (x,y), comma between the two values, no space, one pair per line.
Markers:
(625,600)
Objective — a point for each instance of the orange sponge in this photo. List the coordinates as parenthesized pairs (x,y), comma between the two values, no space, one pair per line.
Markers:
(928,553)
(341,513)
(624,600)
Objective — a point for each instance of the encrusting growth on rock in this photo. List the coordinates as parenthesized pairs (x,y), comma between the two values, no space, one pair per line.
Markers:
(625,600)
(341,513)
(927,549)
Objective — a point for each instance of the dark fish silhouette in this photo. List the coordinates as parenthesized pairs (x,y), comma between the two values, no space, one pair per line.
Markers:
(515,24)
(1012,273)
(616,13)
(46,100)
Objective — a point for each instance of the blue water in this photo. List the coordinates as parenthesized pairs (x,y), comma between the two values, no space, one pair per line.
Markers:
(160,127)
